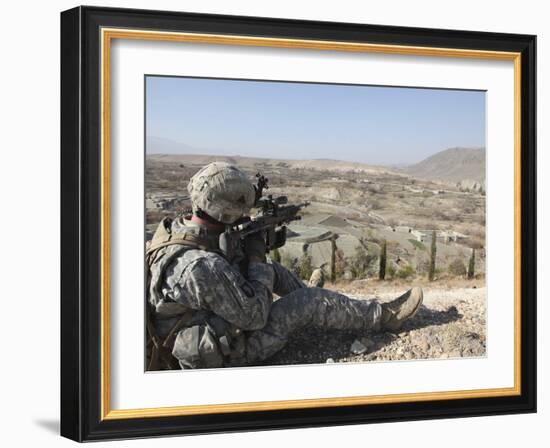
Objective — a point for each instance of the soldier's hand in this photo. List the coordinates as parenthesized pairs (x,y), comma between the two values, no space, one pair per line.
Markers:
(254,247)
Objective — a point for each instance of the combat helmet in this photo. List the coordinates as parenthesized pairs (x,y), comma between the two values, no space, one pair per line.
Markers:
(222,191)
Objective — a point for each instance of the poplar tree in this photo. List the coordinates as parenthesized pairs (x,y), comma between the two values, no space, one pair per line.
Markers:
(433,250)
(382,271)
(472,264)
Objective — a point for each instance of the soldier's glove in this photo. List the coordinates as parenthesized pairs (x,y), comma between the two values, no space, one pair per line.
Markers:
(254,247)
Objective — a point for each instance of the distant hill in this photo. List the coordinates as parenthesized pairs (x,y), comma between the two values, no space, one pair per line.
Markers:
(169,150)
(158,145)
(452,165)
(248,162)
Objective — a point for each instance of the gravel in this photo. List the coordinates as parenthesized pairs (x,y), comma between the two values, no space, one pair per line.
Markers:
(451,323)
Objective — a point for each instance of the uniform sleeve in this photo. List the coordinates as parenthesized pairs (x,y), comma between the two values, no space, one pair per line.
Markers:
(220,288)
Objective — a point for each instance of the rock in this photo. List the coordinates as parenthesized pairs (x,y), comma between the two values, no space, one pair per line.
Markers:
(424,344)
(357,348)
(390,337)
(330,361)
(471,185)
(370,345)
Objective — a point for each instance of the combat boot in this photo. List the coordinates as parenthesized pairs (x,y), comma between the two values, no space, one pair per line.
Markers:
(394,313)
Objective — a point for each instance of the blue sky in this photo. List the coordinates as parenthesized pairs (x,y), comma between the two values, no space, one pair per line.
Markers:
(370,124)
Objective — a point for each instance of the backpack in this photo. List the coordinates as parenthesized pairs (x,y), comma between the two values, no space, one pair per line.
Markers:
(159,350)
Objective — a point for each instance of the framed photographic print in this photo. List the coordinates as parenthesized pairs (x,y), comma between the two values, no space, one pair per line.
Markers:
(273,223)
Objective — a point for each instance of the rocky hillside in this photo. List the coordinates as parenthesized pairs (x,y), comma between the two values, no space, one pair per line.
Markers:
(452,165)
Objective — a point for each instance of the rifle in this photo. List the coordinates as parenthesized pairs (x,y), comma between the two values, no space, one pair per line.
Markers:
(270,221)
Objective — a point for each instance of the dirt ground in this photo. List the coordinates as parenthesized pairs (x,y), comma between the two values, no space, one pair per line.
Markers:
(451,323)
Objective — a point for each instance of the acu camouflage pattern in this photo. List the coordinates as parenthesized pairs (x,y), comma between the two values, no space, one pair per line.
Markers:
(235,320)
(222,191)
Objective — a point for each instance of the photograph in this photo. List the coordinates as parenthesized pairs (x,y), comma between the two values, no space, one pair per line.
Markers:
(291,223)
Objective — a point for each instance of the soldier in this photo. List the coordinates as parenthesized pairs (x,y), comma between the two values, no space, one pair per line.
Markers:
(206,313)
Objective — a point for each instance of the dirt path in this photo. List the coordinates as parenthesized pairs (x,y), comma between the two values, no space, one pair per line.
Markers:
(450,324)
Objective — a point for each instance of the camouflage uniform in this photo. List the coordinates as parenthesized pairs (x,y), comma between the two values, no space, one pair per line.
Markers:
(235,320)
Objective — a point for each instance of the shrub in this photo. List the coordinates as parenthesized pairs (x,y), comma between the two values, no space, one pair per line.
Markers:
(340,264)
(288,262)
(360,262)
(390,271)
(305,267)
(405,272)
(276,255)
(457,268)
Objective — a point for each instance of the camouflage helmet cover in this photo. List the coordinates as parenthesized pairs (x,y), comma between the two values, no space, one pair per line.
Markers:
(222,191)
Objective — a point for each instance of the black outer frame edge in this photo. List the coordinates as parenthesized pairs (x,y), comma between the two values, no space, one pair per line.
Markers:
(529,223)
(294,419)
(71,384)
(307,29)
(85,389)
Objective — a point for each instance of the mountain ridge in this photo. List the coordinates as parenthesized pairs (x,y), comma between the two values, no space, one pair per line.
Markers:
(452,165)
